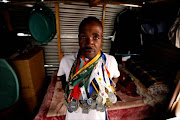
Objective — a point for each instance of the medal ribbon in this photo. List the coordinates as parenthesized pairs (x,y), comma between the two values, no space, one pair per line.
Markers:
(106,76)
(81,77)
(78,77)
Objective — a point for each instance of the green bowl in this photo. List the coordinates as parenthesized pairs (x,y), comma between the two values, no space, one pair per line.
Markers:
(42,24)
(9,86)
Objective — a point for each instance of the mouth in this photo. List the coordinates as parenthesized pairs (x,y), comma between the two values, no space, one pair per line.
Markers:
(88,52)
(88,49)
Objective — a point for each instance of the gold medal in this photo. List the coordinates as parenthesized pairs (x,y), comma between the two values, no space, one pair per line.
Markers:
(94,95)
(108,102)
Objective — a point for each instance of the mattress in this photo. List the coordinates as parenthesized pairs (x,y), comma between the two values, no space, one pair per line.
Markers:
(127,107)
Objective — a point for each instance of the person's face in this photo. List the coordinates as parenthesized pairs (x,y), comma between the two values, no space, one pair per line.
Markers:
(90,39)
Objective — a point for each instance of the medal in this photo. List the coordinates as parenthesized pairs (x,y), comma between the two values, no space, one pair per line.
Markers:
(93,105)
(108,102)
(82,101)
(77,110)
(73,105)
(94,95)
(100,108)
(69,108)
(85,108)
(112,97)
(99,99)
(89,101)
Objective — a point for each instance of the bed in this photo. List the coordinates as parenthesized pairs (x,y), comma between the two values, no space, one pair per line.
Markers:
(127,107)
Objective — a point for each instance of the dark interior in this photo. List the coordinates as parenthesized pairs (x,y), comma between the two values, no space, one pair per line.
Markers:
(157,50)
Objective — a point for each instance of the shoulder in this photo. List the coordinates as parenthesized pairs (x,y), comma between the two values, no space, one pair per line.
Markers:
(69,57)
(112,66)
(110,58)
(66,64)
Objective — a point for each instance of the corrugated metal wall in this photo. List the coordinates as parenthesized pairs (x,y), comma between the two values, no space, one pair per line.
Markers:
(70,15)
(110,15)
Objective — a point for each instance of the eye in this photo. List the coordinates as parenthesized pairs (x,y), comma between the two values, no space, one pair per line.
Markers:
(82,37)
(95,37)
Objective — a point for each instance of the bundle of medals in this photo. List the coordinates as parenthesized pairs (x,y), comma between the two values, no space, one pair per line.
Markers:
(76,91)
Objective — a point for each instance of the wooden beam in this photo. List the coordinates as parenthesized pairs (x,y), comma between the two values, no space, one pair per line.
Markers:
(94,2)
(46,2)
(58,30)
(103,15)
(103,19)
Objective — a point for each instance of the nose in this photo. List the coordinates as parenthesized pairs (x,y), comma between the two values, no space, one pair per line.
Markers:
(89,41)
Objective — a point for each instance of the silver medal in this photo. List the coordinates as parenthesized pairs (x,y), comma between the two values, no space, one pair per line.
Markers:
(85,108)
(77,110)
(100,108)
(69,107)
(99,99)
(73,105)
(112,97)
(93,105)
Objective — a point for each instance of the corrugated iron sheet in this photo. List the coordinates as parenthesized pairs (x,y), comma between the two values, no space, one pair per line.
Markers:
(70,16)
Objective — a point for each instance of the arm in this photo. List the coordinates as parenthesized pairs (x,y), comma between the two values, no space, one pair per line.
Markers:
(114,71)
(61,74)
(115,80)
(63,81)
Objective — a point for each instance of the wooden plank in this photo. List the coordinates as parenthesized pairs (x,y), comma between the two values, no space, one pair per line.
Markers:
(58,30)
(94,2)
(103,18)
(104,13)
